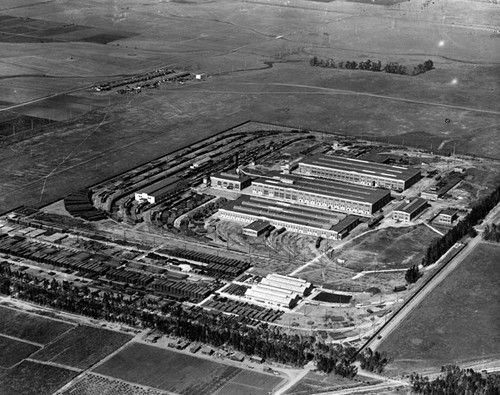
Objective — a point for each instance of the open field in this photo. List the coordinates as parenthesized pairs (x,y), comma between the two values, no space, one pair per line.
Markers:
(14,351)
(82,347)
(151,366)
(93,384)
(31,378)
(387,248)
(458,322)
(30,327)
(106,133)
(316,382)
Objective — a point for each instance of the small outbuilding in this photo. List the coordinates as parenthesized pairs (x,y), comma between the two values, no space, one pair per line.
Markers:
(448,216)
(409,210)
(256,228)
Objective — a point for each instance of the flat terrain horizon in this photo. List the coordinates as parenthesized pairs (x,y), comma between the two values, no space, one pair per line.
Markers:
(256,55)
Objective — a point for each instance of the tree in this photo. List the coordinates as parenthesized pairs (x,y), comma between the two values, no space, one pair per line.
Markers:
(412,275)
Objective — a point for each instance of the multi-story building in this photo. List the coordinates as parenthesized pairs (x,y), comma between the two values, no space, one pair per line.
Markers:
(230,181)
(408,210)
(357,171)
(326,194)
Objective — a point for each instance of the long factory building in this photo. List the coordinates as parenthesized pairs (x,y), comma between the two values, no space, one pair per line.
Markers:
(293,217)
(357,171)
(279,291)
(322,193)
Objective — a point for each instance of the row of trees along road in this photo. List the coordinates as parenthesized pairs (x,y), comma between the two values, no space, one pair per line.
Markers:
(191,323)
(456,381)
(492,233)
(368,65)
(478,212)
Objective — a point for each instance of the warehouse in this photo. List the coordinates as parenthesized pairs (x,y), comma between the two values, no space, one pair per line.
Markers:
(272,296)
(232,181)
(301,287)
(158,191)
(356,171)
(327,194)
(409,210)
(293,217)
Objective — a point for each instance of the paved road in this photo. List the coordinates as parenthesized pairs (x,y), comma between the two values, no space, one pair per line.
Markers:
(407,309)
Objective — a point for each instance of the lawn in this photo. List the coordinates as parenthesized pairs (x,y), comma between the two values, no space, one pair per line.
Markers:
(459,321)
(30,327)
(31,378)
(82,347)
(180,373)
(14,351)
(387,248)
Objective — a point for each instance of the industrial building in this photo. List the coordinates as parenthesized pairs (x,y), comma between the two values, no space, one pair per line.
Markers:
(272,296)
(158,191)
(293,217)
(327,194)
(302,287)
(256,228)
(448,216)
(279,291)
(409,210)
(357,171)
(231,181)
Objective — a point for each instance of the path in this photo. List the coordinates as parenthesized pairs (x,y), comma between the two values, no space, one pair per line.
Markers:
(423,293)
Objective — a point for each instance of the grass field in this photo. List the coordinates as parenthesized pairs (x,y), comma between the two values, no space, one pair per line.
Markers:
(14,351)
(31,378)
(459,321)
(387,248)
(82,347)
(184,374)
(93,384)
(30,327)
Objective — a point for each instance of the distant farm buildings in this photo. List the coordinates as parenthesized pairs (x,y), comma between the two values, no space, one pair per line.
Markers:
(356,171)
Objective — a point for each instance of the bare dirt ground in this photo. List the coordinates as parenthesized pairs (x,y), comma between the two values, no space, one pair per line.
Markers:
(234,42)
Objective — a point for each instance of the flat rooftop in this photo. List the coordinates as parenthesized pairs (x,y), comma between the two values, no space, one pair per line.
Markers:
(412,206)
(159,185)
(361,166)
(230,176)
(329,188)
(449,211)
(258,225)
(275,210)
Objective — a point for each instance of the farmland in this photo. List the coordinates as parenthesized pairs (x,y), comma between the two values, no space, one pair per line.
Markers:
(151,366)
(465,306)
(31,378)
(101,134)
(92,384)
(30,327)
(14,351)
(82,347)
